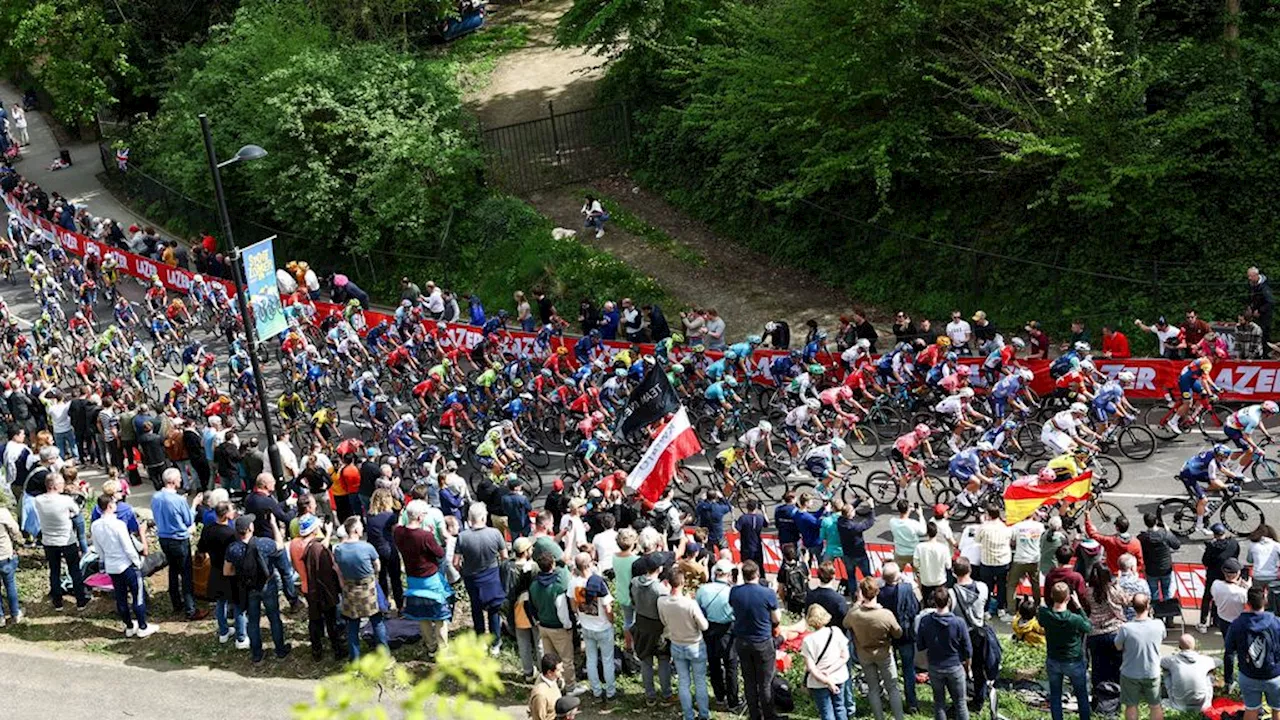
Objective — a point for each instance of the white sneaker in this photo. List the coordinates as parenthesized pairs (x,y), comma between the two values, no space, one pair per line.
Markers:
(1173,425)
(1202,629)
(1004,616)
(242,644)
(223,639)
(1205,530)
(147,631)
(131,631)
(599,234)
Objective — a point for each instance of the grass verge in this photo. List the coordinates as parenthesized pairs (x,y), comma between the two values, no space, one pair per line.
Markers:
(652,236)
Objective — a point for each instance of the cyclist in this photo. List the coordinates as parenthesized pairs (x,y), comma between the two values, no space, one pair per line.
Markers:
(948,367)
(823,461)
(802,387)
(588,448)
(835,398)
(796,425)
(721,395)
(813,347)
(906,452)
(785,366)
(1065,430)
(324,425)
(1068,464)
(1074,384)
(895,367)
(955,412)
(403,434)
(1000,433)
(365,387)
(926,358)
(542,341)
(1194,379)
(1001,358)
(155,295)
(451,418)
(587,343)
(750,440)
(1109,406)
(717,370)
(1009,391)
(291,406)
(974,468)
(377,336)
(1207,468)
(1239,430)
(663,349)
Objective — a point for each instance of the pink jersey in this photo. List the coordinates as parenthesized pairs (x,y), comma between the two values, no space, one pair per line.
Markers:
(907,444)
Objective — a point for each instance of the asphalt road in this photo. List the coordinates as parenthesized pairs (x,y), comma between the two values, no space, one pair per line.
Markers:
(1144,485)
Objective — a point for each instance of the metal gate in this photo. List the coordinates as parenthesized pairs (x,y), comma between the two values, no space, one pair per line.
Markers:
(558,149)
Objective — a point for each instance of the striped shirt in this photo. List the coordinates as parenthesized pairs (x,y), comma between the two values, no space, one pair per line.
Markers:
(994,539)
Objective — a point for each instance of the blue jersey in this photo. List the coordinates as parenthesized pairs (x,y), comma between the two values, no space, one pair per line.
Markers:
(492,325)
(1110,394)
(457,397)
(716,392)
(582,348)
(515,408)
(811,351)
(742,350)
(995,436)
(782,367)
(160,325)
(636,371)
(1199,466)
(717,369)
(964,463)
(1008,387)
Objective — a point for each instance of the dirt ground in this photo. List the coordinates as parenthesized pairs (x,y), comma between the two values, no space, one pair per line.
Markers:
(525,80)
(746,288)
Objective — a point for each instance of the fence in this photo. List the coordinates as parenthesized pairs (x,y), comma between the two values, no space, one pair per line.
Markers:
(558,149)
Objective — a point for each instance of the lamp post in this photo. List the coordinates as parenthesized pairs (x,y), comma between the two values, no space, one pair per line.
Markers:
(248,152)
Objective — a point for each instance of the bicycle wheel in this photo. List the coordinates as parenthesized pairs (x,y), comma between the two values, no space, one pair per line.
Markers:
(1267,471)
(1212,422)
(537,456)
(1104,515)
(531,481)
(173,360)
(704,427)
(1241,516)
(1155,418)
(881,487)
(769,485)
(863,441)
(930,488)
(1136,442)
(1178,515)
(1106,473)
(886,421)
(1029,439)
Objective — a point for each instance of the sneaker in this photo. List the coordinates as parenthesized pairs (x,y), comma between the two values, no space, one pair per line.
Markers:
(1202,628)
(81,606)
(495,650)
(242,644)
(605,707)
(1173,426)
(599,234)
(282,653)
(224,639)
(198,615)
(576,690)
(147,631)
(1206,531)
(131,631)
(1004,616)
(17,618)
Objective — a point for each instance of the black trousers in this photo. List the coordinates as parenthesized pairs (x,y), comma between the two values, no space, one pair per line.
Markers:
(722,662)
(322,621)
(759,664)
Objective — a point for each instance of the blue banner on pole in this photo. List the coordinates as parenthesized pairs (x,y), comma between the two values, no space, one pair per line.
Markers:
(264,297)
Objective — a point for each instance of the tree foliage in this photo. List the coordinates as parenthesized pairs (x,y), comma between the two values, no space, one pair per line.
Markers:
(1051,141)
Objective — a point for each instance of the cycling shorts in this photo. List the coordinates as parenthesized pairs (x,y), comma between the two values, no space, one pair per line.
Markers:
(719,465)
(818,467)
(793,435)
(896,454)
(999,405)
(1188,385)
(1236,437)
(1194,484)
(1104,412)
(486,462)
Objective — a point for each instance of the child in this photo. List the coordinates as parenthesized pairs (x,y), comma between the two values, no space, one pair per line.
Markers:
(793,580)
(1025,626)
(695,572)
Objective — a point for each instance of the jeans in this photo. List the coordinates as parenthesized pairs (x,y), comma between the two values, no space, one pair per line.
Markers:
(907,653)
(131,596)
(267,599)
(1206,601)
(1104,659)
(288,576)
(1161,587)
(66,444)
(861,564)
(77,522)
(828,704)
(848,692)
(389,576)
(71,554)
(664,677)
(1228,659)
(478,614)
(691,664)
(882,673)
(190,483)
(322,620)
(628,616)
(379,624)
(9,587)
(996,578)
(181,590)
(530,647)
(220,609)
(758,661)
(722,662)
(952,681)
(1075,670)
(600,652)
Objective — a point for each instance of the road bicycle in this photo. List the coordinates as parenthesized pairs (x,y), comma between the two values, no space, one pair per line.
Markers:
(1134,441)
(1239,515)
(1264,469)
(1107,473)
(1207,415)
(885,487)
(1103,515)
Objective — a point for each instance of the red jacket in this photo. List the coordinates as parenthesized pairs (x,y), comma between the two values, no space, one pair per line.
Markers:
(1116,346)
(1114,547)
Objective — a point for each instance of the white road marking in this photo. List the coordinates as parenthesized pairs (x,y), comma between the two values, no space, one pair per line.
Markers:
(1142,496)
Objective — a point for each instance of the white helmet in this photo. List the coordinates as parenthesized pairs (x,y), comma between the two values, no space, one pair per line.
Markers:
(965,392)
(1026,374)
(812,403)
(1087,364)
(1079,408)
(837,443)
(984,446)
(1019,343)
(507,424)
(1126,377)
(1082,347)
(1270,407)
(864,343)
(765,426)
(406,417)
(367,374)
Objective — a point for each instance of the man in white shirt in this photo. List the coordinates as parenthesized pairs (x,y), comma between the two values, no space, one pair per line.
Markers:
(1026,560)
(907,532)
(120,560)
(573,531)
(960,333)
(996,540)
(58,535)
(1229,597)
(594,606)
(435,300)
(13,450)
(931,561)
(606,541)
(1188,676)
(288,458)
(59,410)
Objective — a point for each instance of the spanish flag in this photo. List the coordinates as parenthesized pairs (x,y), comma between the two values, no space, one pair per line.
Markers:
(1026,494)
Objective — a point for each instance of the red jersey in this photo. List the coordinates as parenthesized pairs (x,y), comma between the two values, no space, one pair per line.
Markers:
(928,357)
(581,403)
(1007,354)
(424,387)
(1071,379)
(173,311)
(552,362)
(856,380)
(217,408)
(293,343)
(562,393)
(397,356)
(587,426)
(450,417)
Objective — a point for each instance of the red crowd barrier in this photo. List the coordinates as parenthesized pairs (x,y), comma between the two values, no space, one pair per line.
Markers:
(1240,380)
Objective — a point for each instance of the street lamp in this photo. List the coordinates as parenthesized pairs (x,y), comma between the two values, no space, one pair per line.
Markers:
(248,152)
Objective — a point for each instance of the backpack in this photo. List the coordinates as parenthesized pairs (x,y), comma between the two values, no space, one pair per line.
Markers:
(783,702)
(250,574)
(796,581)
(1106,698)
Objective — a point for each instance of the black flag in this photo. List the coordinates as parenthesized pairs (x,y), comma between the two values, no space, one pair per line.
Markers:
(652,399)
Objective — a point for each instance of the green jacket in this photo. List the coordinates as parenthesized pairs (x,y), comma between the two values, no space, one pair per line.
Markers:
(546,588)
(1064,633)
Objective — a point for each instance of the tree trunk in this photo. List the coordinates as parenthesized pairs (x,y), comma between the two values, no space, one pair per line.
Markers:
(1231,33)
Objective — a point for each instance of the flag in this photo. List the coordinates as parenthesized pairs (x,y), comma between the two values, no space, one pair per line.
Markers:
(122,159)
(657,466)
(652,399)
(1026,495)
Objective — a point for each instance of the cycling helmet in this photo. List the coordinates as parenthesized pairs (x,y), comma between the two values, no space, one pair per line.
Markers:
(816,369)
(1082,347)
(517,383)
(795,354)
(1026,374)
(964,371)
(676,338)
(922,431)
(496,365)
(1019,343)
(380,399)
(837,443)
(502,315)
(442,326)
(698,349)
(562,350)
(730,355)
(190,369)
(677,368)
(1079,408)
(812,403)
(1221,450)
(367,375)
(601,435)
(952,357)
(1087,364)
(1010,425)
(569,381)
(597,416)
(406,417)
(765,426)
(1046,475)
(864,343)
(770,326)
(1126,377)
(405,303)
(224,399)
(943,341)
(526,396)
(455,406)
(546,372)
(507,424)
(1270,407)
(754,340)
(965,393)
(731,381)
(461,389)
(821,335)
(444,363)
(620,372)
(984,446)
(595,333)
(79,315)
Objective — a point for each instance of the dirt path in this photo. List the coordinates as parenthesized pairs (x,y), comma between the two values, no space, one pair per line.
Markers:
(746,288)
(525,80)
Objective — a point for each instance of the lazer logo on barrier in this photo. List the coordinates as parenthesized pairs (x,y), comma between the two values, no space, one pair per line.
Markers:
(1146,376)
(145,268)
(179,280)
(1248,380)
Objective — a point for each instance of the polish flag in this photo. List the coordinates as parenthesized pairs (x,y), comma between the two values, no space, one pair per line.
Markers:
(657,466)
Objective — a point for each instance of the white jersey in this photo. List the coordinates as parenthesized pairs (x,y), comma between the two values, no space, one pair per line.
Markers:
(951,405)
(798,416)
(752,437)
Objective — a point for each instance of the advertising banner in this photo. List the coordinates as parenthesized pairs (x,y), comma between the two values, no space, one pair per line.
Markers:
(259,263)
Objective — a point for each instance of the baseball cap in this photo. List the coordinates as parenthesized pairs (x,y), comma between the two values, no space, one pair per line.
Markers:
(308,524)
(1231,565)
(1218,529)
(244,522)
(724,567)
(514,483)
(940,510)
(558,485)
(522,544)
(577,502)
(566,705)
(980,315)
